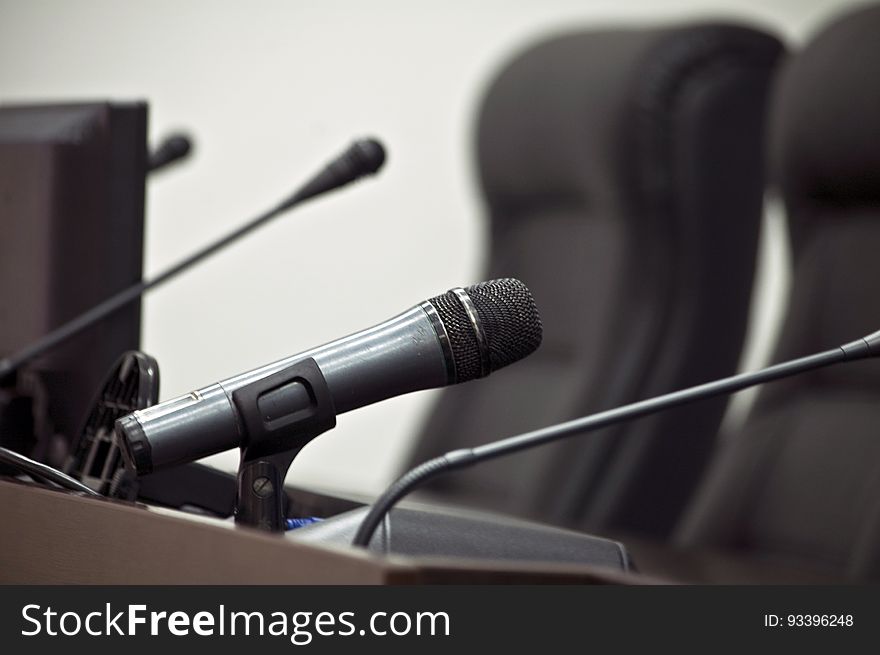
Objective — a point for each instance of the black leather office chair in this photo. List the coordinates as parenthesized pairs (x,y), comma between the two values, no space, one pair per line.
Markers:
(622,173)
(801,481)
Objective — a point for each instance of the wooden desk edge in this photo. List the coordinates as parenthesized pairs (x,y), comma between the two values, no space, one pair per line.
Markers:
(54,537)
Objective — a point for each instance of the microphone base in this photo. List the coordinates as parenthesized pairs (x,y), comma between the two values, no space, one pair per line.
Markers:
(446,532)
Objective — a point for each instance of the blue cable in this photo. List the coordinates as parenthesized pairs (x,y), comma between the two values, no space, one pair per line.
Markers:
(293,524)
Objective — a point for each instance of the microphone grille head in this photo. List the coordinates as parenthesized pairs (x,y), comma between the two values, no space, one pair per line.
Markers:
(489,325)
(179,144)
(370,155)
(363,157)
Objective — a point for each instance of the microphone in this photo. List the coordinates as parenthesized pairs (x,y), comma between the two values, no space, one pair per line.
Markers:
(863,348)
(362,158)
(461,335)
(172,149)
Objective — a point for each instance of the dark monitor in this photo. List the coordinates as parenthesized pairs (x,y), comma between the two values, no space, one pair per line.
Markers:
(71,234)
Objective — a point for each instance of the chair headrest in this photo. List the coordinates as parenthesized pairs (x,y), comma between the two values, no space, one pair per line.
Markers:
(826,117)
(589,119)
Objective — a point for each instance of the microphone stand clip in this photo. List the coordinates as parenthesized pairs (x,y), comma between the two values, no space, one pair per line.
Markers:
(280,414)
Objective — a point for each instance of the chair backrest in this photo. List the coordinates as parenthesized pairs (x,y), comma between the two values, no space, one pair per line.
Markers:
(622,174)
(802,478)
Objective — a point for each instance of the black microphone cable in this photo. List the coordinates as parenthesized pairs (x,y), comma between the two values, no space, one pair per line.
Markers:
(44,472)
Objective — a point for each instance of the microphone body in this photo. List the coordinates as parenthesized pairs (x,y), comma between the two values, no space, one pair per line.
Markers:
(461,335)
(399,356)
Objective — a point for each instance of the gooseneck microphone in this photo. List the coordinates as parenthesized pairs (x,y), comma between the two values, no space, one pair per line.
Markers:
(461,335)
(362,158)
(865,347)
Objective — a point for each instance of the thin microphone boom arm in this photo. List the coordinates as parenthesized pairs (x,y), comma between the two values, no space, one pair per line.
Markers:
(362,158)
(868,346)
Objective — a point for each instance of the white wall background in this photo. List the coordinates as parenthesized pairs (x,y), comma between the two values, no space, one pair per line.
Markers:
(270,90)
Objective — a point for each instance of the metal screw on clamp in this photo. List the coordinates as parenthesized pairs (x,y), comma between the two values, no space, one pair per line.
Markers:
(262,486)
